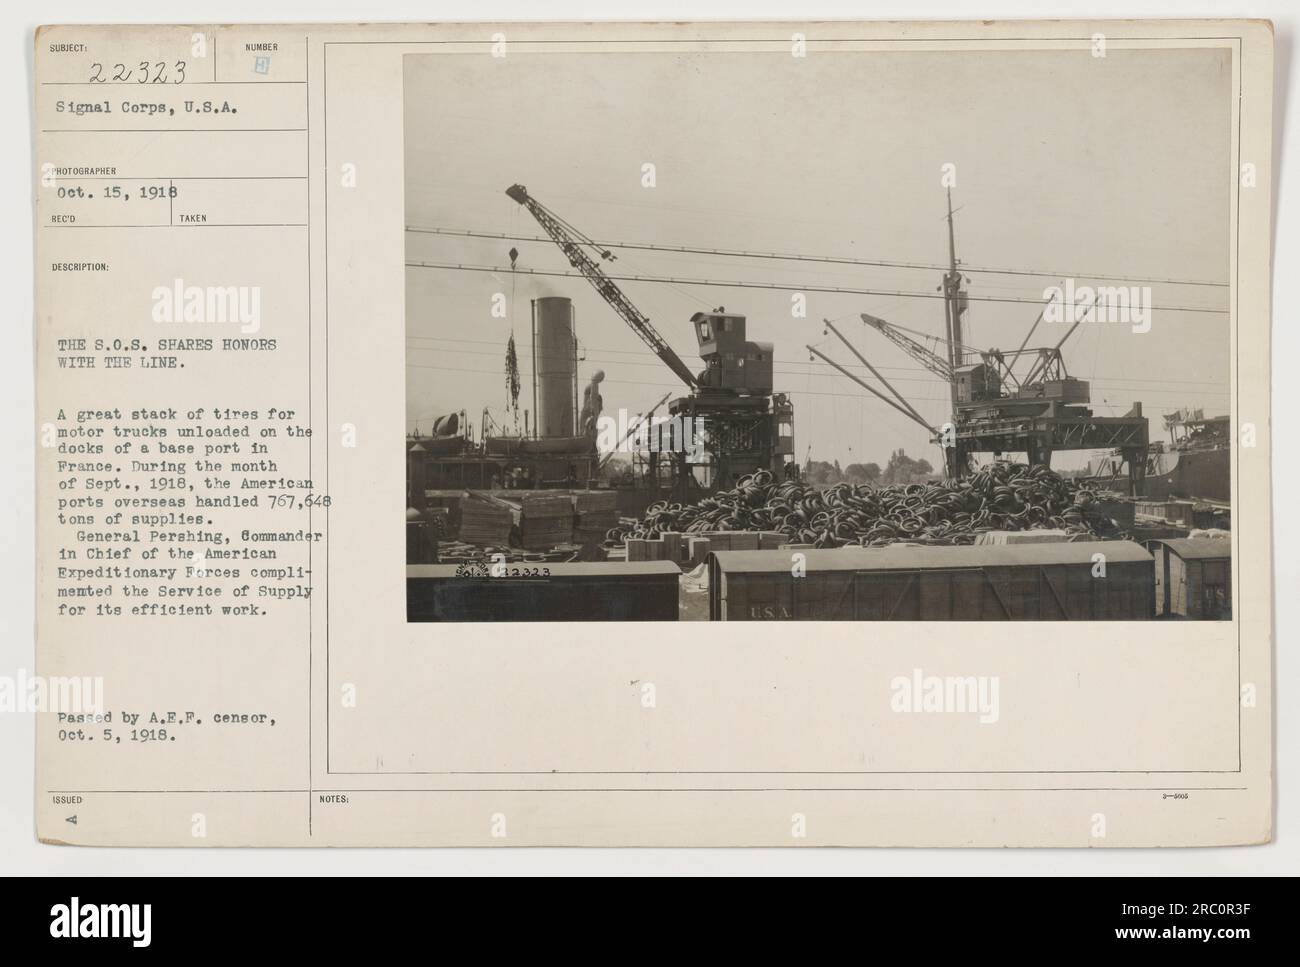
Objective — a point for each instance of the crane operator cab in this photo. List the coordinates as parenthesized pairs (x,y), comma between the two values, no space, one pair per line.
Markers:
(732,363)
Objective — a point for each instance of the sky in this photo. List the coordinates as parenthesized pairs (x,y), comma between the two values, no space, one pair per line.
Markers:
(1089,167)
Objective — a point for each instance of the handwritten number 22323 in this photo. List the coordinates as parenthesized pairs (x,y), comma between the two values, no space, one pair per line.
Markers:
(143,73)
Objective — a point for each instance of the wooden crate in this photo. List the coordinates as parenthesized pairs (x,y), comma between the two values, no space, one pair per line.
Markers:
(698,549)
(672,546)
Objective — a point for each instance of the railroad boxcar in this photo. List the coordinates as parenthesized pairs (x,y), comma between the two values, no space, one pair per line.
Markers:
(1193,578)
(1033,582)
(645,591)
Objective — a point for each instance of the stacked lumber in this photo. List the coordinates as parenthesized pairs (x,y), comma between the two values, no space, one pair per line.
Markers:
(594,513)
(595,501)
(485,521)
(545,521)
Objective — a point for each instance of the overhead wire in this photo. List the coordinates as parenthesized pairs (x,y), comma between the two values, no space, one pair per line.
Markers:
(642,361)
(828,259)
(738,284)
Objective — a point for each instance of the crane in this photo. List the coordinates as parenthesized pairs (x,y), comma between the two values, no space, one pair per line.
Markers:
(926,357)
(902,405)
(574,245)
(1046,362)
(994,410)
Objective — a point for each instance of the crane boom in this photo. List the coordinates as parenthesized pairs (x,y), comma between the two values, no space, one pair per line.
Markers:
(930,360)
(572,244)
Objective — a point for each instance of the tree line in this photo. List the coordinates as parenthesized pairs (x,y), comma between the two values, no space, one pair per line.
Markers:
(899,469)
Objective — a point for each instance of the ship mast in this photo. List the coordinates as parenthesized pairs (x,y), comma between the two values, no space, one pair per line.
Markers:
(954,300)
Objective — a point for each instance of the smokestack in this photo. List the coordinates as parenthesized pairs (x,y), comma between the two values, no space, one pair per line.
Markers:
(555,360)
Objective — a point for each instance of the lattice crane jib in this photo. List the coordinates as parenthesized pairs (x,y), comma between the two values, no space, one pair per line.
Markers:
(575,247)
